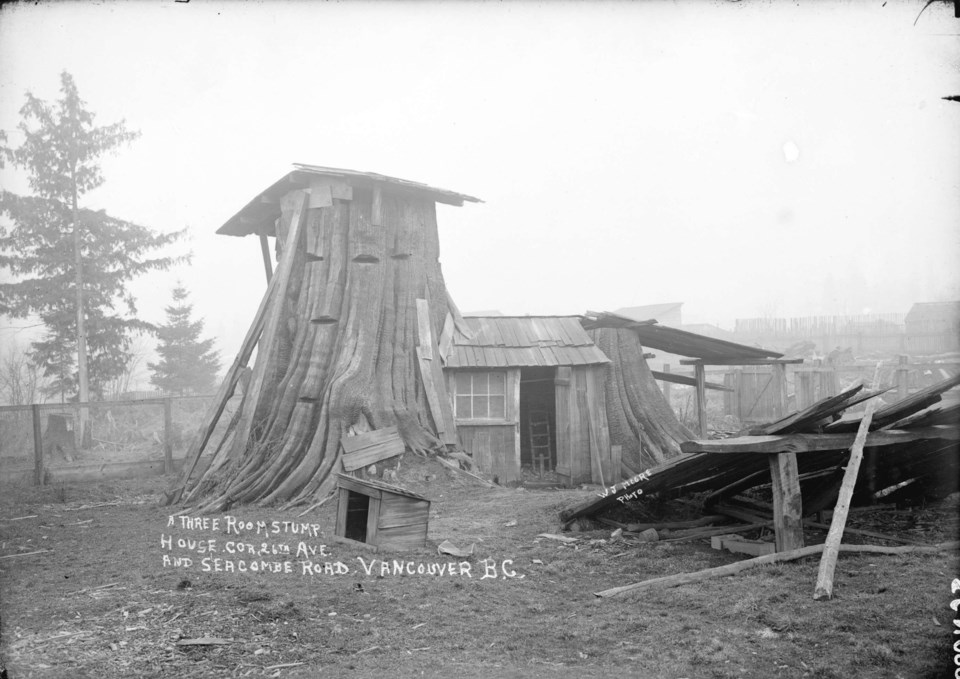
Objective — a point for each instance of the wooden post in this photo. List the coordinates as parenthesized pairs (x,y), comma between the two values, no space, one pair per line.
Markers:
(701,378)
(787,503)
(167,437)
(828,382)
(828,562)
(265,251)
(665,386)
(37,447)
(903,376)
(803,387)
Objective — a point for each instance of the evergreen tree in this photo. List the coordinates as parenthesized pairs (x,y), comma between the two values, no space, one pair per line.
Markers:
(187,363)
(72,263)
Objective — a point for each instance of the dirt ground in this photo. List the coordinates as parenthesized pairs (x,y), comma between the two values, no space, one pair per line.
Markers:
(97,600)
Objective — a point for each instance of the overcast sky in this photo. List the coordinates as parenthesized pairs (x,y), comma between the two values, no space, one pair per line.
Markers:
(745,158)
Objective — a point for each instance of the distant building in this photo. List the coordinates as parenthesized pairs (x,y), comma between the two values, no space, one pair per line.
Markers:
(933,327)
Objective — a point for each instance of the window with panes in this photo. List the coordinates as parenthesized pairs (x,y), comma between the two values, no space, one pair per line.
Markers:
(480,396)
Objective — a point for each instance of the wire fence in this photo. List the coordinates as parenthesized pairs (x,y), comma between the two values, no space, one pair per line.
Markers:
(40,443)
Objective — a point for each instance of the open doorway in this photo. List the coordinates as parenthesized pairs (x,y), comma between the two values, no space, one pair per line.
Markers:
(358,511)
(538,420)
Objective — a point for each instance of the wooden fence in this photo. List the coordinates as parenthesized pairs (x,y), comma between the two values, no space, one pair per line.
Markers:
(757,394)
(887,333)
(22,429)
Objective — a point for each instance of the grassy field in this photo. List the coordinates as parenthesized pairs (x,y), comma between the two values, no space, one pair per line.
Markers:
(98,601)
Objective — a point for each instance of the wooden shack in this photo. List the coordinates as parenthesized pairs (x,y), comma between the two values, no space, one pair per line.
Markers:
(381,514)
(528,392)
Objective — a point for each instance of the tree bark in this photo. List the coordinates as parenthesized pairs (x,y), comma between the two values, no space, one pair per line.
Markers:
(639,418)
(341,355)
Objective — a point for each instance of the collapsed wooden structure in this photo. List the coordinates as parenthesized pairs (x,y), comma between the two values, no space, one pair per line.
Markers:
(912,446)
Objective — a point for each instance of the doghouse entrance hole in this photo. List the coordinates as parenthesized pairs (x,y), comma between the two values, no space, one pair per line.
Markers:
(358,509)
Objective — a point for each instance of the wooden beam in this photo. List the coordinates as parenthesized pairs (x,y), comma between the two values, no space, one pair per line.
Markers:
(223,394)
(38,475)
(432,378)
(738,566)
(297,202)
(668,376)
(787,503)
(700,377)
(831,549)
(810,443)
(267,263)
(739,361)
(167,436)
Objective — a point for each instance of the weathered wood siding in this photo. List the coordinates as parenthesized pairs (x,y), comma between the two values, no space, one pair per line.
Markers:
(494,444)
(494,449)
(582,434)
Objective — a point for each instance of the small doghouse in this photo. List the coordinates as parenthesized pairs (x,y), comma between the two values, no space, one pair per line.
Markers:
(381,514)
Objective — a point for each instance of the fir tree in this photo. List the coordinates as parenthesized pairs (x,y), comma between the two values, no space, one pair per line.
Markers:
(187,363)
(72,263)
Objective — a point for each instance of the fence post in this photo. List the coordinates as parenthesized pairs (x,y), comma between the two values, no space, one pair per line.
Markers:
(167,440)
(903,377)
(37,447)
(701,378)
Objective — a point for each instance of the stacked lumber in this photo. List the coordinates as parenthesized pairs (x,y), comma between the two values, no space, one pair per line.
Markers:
(919,442)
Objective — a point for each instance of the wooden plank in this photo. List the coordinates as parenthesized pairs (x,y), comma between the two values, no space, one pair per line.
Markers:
(446,337)
(424,339)
(358,486)
(433,398)
(432,376)
(320,194)
(343,498)
(736,567)
(225,391)
(787,504)
(265,253)
(809,443)
(828,562)
(297,200)
(373,520)
(739,361)
(398,511)
(594,446)
(372,454)
(402,537)
(352,444)
(562,396)
(825,408)
(668,376)
(449,433)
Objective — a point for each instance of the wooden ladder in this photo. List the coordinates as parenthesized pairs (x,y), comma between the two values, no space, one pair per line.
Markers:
(539,431)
